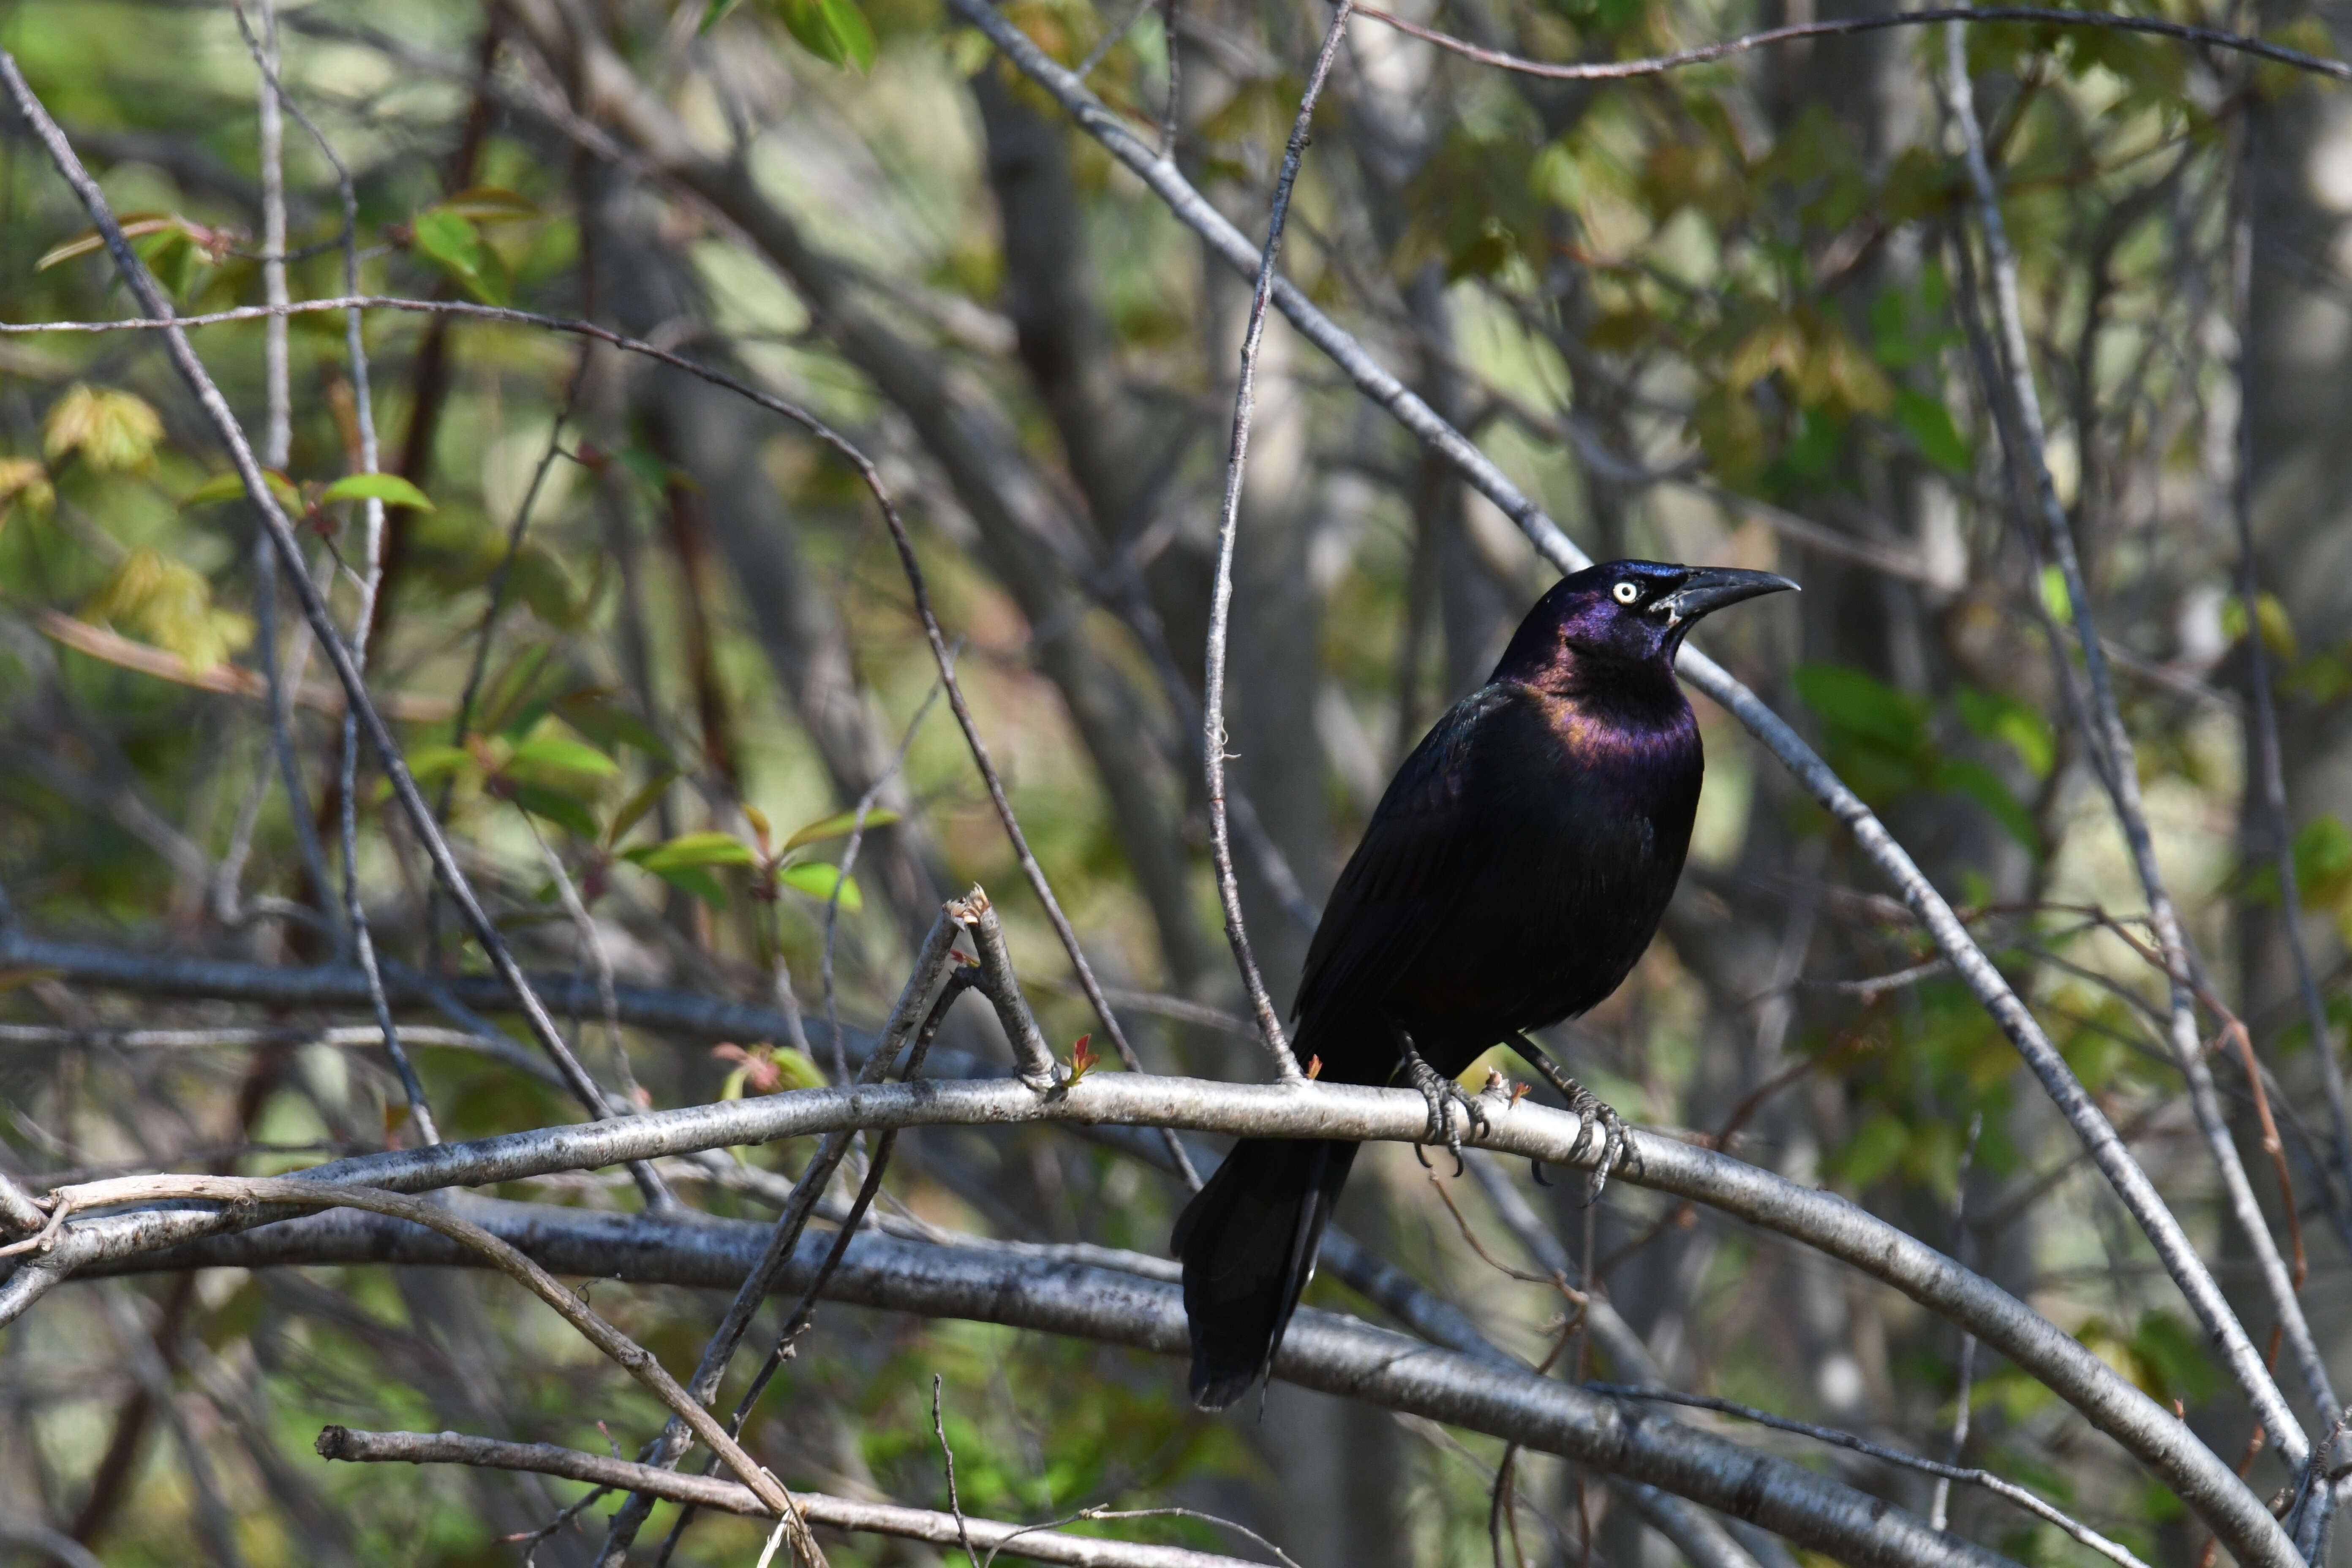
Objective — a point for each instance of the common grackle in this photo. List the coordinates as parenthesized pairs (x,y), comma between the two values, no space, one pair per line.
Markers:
(1511,877)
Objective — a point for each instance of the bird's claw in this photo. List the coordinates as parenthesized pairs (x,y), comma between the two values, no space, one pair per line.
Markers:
(1442,1095)
(1591,1109)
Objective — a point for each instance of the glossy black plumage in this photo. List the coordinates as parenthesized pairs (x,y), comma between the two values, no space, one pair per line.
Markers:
(1510,878)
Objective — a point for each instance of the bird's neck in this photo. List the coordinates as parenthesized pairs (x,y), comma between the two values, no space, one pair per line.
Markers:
(1630,686)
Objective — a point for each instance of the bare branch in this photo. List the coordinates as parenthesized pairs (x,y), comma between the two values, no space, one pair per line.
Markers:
(1322,1351)
(1619,71)
(1819,1219)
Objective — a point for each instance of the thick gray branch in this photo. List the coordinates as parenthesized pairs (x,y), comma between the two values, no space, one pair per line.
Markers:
(1819,1219)
(1323,1352)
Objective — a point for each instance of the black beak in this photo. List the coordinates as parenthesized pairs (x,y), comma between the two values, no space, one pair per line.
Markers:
(1707,590)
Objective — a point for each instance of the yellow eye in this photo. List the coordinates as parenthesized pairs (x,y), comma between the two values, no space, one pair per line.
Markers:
(1627,592)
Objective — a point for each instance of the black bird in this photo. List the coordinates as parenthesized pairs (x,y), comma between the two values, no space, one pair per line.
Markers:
(1513,874)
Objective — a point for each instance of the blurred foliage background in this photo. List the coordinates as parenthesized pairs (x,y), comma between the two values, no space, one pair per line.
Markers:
(637,627)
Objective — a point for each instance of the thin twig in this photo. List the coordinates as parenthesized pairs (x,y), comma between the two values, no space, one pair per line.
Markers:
(1221,591)
(1619,71)
(833,1513)
(1939,1503)
(2050,1513)
(946,1456)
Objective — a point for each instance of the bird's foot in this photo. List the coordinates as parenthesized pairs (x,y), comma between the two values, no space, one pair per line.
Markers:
(1444,1095)
(1590,1111)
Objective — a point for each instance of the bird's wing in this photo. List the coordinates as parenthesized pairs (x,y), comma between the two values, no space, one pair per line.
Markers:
(1419,853)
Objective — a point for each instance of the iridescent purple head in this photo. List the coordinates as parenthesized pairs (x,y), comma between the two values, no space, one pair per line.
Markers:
(1624,612)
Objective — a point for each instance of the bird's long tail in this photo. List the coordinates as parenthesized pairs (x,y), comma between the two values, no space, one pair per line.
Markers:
(1248,1240)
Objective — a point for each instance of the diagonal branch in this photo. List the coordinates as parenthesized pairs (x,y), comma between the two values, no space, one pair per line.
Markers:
(2120,773)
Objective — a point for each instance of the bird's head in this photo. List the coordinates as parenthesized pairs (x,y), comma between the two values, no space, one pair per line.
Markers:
(1631,612)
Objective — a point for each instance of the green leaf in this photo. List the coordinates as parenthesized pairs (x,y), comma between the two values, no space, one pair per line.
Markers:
(390,488)
(2054,597)
(555,806)
(835,31)
(696,881)
(171,606)
(568,756)
(715,12)
(818,880)
(838,823)
(229,486)
(112,431)
(488,204)
(1875,1149)
(592,713)
(426,763)
(450,239)
(1998,718)
(543,584)
(1930,425)
(707,848)
(648,796)
(1854,700)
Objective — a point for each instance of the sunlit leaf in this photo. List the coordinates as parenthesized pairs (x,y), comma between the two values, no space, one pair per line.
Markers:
(2002,718)
(818,880)
(24,482)
(450,239)
(569,756)
(2278,629)
(706,848)
(230,486)
(426,763)
(838,823)
(390,488)
(111,430)
(835,31)
(171,606)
